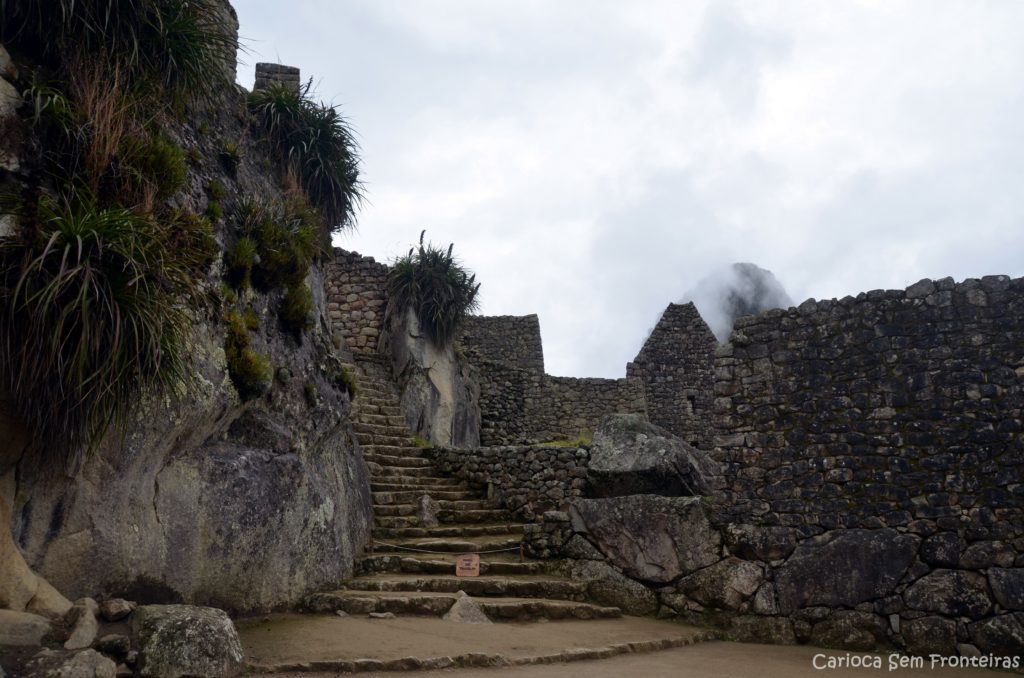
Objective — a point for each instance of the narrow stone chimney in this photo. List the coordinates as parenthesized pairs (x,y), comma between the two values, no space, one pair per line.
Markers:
(268,73)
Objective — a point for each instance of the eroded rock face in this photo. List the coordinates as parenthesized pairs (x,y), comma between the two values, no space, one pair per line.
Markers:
(650,538)
(844,568)
(1008,586)
(955,593)
(724,585)
(608,586)
(207,500)
(180,640)
(630,455)
(440,391)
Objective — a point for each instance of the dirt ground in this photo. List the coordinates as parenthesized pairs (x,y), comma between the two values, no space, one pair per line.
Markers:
(303,638)
(289,639)
(706,660)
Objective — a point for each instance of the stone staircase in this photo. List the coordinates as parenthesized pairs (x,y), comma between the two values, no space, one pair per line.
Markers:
(411,568)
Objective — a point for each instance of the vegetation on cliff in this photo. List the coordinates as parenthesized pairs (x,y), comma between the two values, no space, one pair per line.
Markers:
(433,283)
(109,262)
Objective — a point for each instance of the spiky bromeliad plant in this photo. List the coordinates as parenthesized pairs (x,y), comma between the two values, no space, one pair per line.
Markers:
(314,142)
(91,314)
(433,283)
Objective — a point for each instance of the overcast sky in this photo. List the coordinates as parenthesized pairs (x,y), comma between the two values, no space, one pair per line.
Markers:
(593,160)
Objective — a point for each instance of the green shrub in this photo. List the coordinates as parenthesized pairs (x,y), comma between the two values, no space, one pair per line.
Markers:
(312,393)
(231,156)
(91,313)
(250,372)
(240,261)
(343,379)
(297,309)
(216,190)
(440,291)
(285,244)
(314,141)
(155,160)
(175,45)
(214,210)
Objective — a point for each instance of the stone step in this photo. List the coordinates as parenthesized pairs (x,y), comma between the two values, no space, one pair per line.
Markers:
(381,420)
(387,497)
(518,586)
(392,519)
(364,407)
(421,485)
(390,533)
(481,544)
(406,472)
(437,604)
(463,506)
(395,450)
(380,429)
(388,460)
(403,441)
(418,484)
(445,564)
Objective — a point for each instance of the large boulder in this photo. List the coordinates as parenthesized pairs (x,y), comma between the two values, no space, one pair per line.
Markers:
(630,455)
(929,635)
(22,628)
(1008,586)
(650,538)
(608,586)
(954,593)
(724,585)
(1002,636)
(246,506)
(180,640)
(844,568)
(755,542)
(850,630)
(440,390)
(67,664)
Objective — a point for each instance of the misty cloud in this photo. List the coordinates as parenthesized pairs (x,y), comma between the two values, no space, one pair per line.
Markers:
(733,292)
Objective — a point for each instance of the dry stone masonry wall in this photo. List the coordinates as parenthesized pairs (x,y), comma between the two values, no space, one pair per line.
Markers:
(893,409)
(266,74)
(356,298)
(522,406)
(508,339)
(676,368)
(528,480)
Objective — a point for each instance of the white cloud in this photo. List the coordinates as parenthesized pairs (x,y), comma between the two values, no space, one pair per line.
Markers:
(592,161)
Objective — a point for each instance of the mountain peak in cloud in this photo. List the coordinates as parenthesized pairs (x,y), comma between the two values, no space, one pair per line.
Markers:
(735,291)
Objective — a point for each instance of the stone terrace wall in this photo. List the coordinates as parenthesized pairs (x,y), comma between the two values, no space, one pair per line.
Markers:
(676,367)
(528,480)
(522,406)
(890,409)
(356,297)
(509,339)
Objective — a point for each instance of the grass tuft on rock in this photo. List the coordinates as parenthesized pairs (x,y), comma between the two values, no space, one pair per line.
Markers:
(313,141)
(92,311)
(435,285)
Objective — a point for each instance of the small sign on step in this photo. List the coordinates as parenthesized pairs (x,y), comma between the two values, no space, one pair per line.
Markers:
(467,565)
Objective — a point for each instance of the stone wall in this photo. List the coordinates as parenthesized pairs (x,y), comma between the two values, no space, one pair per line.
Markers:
(267,73)
(892,409)
(522,406)
(356,298)
(676,368)
(508,339)
(528,480)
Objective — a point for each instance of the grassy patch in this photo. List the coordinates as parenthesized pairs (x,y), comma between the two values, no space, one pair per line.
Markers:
(297,309)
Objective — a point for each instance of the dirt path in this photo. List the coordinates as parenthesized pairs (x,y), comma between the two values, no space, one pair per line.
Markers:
(706,660)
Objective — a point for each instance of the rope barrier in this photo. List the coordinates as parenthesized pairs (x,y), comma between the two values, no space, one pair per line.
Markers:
(446,553)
